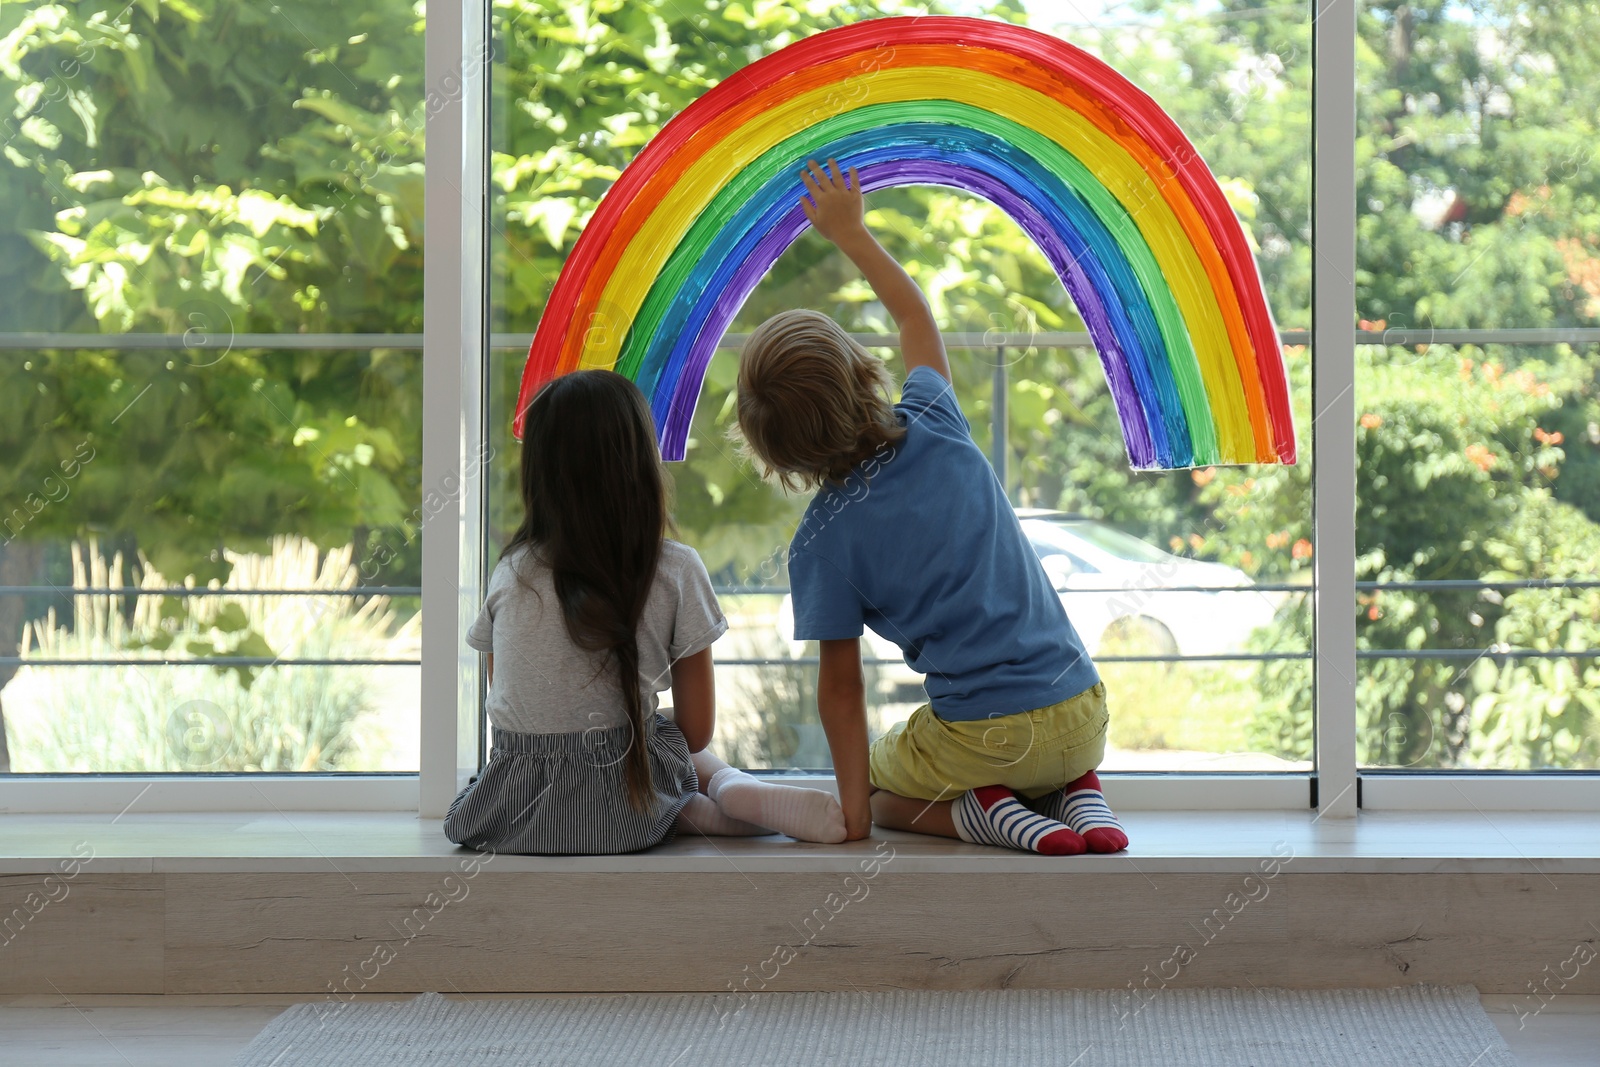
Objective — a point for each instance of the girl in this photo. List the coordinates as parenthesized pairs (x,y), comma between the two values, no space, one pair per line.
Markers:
(590,613)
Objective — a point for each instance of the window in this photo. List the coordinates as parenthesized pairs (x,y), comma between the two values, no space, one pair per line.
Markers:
(218,453)
(209,353)
(1478,529)
(1174,549)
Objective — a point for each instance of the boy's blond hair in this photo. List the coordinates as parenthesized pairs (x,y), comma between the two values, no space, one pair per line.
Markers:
(812,402)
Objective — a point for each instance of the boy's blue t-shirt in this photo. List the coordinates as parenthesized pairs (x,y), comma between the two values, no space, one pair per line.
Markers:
(921,544)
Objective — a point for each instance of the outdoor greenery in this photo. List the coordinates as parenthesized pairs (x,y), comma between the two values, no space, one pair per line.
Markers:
(215,168)
(199,719)
(212,169)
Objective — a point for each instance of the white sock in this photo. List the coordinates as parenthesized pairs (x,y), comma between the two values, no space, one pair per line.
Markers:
(806,814)
(702,816)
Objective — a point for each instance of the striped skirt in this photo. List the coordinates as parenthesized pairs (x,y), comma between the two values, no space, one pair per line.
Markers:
(567,794)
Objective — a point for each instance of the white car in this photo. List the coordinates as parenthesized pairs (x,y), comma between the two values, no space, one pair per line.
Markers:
(1125,595)
(1151,602)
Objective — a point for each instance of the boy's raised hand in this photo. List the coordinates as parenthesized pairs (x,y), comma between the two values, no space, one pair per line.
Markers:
(832,203)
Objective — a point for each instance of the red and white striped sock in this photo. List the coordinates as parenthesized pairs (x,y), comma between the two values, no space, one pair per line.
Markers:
(1082,806)
(992,815)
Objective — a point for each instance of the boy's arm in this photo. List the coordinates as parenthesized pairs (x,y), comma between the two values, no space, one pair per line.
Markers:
(835,209)
(842,706)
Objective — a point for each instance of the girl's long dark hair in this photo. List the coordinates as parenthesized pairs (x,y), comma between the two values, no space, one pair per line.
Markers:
(594,511)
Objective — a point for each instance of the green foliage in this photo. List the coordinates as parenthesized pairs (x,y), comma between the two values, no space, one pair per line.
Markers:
(1477,188)
(1478,203)
(193,458)
(200,718)
(1190,707)
(1457,477)
(1542,713)
(1280,720)
(1459,437)
(769,718)
(260,165)
(208,169)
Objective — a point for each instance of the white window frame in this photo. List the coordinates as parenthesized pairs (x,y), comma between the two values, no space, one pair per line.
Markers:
(454,281)
(1333,353)
(455,347)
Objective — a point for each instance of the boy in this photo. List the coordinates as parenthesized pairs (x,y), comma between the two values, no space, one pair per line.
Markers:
(911,534)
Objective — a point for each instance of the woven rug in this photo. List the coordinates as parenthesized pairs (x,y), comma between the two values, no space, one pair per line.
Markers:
(1409,1026)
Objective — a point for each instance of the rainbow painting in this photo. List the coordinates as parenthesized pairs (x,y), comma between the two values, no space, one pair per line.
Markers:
(1101,178)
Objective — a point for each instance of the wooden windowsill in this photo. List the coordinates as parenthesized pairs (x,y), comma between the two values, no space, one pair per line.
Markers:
(1198,842)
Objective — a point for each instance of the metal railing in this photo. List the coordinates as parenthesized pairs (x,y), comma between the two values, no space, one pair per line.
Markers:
(182,591)
(205,661)
(999,341)
(199,341)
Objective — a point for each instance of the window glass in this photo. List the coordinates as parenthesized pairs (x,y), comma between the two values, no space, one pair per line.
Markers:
(1113,541)
(579,91)
(1056,550)
(210,375)
(1478,529)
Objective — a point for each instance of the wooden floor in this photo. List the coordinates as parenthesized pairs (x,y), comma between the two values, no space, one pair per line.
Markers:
(177,1031)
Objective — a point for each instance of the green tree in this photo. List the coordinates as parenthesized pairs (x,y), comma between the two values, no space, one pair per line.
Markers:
(207,168)
(1479,203)
(210,169)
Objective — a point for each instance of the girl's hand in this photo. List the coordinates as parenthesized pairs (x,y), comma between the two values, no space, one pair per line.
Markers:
(831,203)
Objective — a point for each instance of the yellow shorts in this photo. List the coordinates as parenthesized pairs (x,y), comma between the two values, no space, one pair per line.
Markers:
(1032,752)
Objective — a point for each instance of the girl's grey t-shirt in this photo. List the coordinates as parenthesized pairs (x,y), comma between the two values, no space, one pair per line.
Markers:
(545,684)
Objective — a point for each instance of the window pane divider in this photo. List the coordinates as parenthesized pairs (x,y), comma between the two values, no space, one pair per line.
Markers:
(1333,424)
(453,430)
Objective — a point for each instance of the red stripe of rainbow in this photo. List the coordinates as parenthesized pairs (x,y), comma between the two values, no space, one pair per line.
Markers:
(840,58)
